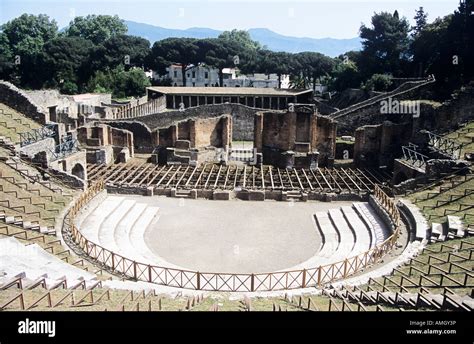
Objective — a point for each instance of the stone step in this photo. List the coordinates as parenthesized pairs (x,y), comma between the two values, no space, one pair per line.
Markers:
(358,226)
(423,229)
(372,221)
(108,227)
(456,226)
(347,238)
(137,234)
(36,263)
(122,232)
(329,235)
(90,227)
(438,232)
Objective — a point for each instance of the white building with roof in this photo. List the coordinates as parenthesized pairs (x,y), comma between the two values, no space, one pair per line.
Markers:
(206,76)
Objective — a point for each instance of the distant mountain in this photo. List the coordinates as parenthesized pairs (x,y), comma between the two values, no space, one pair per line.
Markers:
(329,46)
(272,40)
(156,33)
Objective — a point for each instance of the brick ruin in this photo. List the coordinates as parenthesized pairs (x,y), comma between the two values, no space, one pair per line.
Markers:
(377,145)
(296,138)
(193,141)
(105,144)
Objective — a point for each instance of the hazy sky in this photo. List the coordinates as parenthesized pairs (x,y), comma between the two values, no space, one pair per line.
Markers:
(307,18)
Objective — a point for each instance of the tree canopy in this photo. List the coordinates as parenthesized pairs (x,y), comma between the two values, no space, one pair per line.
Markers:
(183,51)
(96,28)
(65,62)
(95,53)
(385,44)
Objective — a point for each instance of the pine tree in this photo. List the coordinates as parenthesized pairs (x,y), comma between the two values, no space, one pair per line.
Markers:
(420,21)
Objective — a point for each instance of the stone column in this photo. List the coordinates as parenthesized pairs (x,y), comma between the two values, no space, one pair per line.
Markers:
(313,134)
(174,134)
(290,123)
(287,159)
(258,131)
(226,131)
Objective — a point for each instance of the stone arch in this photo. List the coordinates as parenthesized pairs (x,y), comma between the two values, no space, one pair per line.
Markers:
(78,171)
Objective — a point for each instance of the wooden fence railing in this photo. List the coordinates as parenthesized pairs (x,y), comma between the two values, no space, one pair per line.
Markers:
(144,109)
(211,281)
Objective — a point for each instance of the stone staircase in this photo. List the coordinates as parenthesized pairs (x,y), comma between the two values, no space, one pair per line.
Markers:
(399,91)
(13,123)
(406,300)
(32,263)
(30,225)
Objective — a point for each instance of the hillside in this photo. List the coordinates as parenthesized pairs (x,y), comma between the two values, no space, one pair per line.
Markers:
(272,40)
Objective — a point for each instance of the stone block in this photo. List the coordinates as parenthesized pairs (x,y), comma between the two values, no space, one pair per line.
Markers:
(254,195)
(221,195)
(150,191)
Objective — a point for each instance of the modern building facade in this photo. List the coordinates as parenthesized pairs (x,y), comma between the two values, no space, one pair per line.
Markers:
(206,76)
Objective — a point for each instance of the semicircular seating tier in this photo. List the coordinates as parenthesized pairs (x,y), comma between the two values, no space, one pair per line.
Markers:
(119,224)
(346,232)
(32,263)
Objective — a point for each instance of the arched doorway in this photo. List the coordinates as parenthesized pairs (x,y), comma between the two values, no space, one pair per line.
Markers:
(78,171)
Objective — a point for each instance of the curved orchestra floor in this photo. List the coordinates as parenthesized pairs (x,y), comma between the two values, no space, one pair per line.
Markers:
(234,236)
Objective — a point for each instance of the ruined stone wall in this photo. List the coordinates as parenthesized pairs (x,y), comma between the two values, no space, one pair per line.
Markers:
(294,138)
(208,132)
(200,133)
(101,135)
(47,98)
(165,136)
(433,116)
(143,141)
(71,163)
(459,109)
(46,145)
(325,140)
(277,130)
(121,138)
(18,100)
(242,118)
(184,130)
(367,144)
(378,145)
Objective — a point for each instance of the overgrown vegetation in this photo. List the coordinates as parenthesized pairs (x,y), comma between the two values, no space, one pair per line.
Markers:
(94,53)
